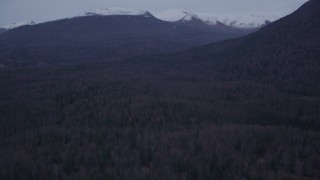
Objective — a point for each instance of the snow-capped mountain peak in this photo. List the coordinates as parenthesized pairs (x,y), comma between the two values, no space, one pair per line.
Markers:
(17,24)
(174,15)
(246,21)
(235,20)
(115,11)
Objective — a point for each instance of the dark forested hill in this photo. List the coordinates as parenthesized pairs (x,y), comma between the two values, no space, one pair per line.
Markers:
(285,53)
(281,58)
(90,38)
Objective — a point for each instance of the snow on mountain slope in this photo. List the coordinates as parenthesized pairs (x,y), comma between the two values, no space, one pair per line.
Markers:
(17,24)
(173,15)
(241,20)
(114,11)
(235,20)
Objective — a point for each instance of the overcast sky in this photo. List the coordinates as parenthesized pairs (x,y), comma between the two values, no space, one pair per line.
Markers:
(42,10)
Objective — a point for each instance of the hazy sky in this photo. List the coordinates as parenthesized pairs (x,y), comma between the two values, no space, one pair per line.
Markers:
(42,10)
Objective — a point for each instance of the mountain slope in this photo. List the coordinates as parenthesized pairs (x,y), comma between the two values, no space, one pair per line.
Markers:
(3,30)
(271,76)
(285,53)
(18,24)
(187,18)
(101,37)
(243,21)
(246,21)
(174,15)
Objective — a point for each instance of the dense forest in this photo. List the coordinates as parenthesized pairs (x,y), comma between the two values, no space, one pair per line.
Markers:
(247,108)
(93,123)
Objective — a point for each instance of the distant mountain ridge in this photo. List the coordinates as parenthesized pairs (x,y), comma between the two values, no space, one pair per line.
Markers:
(235,20)
(115,11)
(247,21)
(17,24)
(106,34)
(174,15)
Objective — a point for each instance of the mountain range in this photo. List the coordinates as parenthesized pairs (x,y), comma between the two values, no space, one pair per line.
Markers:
(281,59)
(88,98)
(105,35)
(246,21)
